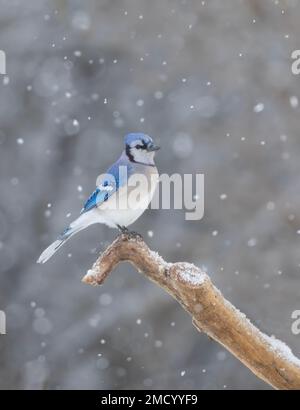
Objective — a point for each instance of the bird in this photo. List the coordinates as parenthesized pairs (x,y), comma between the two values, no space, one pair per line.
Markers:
(109,203)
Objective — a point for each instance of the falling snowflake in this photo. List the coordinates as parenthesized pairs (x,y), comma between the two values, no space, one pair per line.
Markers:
(258,107)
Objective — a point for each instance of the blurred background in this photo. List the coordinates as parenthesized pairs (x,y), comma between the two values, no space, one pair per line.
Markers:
(211,81)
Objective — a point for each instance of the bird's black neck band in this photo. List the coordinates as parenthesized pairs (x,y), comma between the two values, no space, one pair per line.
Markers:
(131,158)
(128,153)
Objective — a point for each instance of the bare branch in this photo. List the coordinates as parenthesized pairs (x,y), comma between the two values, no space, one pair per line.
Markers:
(267,357)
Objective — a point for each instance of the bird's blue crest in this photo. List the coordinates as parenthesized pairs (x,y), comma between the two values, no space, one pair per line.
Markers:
(136,136)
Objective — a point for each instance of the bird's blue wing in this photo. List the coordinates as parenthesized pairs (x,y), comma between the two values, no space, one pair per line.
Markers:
(100,195)
(109,185)
(91,202)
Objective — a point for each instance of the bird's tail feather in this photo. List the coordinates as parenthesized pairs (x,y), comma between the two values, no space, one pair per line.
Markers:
(80,223)
(50,251)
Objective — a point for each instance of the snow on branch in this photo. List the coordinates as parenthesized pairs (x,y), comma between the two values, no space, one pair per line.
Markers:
(268,358)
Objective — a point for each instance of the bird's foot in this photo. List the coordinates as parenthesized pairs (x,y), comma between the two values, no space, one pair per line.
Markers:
(134,235)
(128,233)
(123,229)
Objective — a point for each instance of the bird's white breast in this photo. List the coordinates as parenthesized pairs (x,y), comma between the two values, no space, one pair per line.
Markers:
(128,204)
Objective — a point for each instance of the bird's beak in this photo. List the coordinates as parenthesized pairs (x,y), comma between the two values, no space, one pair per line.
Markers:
(152,147)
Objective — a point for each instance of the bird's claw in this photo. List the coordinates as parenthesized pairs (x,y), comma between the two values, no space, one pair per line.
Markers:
(134,235)
(128,233)
(123,229)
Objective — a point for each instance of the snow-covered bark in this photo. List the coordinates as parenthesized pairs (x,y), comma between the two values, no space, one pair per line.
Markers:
(267,357)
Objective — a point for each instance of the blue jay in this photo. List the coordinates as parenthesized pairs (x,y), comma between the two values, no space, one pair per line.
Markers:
(136,160)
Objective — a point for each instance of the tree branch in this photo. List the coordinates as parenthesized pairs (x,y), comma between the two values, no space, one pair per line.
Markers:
(267,357)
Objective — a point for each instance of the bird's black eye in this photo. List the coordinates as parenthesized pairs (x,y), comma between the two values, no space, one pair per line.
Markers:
(139,146)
